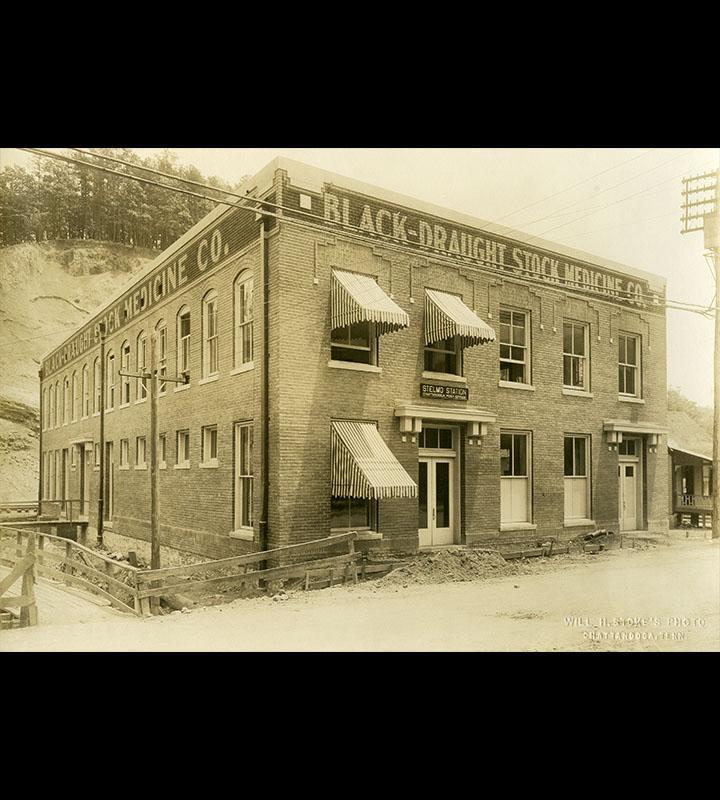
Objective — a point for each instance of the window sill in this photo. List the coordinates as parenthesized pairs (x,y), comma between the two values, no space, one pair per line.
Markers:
(185,465)
(209,379)
(183,387)
(351,365)
(576,523)
(141,400)
(638,400)
(107,525)
(208,465)
(527,387)
(243,368)
(163,465)
(444,376)
(96,413)
(109,410)
(576,392)
(96,469)
(246,534)
(124,466)
(140,468)
(517,526)
(124,405)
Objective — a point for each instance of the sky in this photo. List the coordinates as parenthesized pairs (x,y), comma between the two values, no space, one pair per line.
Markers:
(618,203)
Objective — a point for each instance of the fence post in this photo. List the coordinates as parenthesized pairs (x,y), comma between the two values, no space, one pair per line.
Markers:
(18,544)
(41,548)
(28,614)
(68,568)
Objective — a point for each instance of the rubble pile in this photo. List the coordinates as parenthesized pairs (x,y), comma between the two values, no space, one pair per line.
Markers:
(450,565)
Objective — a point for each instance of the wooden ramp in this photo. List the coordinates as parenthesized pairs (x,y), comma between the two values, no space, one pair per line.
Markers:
(64,605)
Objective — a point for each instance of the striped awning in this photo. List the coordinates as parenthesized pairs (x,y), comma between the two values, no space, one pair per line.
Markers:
(364,466)
(446,315)
(359,298)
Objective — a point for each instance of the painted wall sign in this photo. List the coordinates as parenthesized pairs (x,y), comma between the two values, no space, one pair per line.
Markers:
(474,245)
(444,392)
(226,237)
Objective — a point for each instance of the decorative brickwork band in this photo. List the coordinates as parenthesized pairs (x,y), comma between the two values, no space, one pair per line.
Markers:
(363,465)
(446,315)
(358,298)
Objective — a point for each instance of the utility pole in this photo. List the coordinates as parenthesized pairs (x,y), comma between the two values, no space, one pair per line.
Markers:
(101,491)
(701,212)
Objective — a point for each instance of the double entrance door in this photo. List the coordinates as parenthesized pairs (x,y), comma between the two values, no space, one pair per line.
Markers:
(435,501)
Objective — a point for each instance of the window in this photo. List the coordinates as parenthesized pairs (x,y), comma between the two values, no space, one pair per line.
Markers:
(628,447)
(51,407)
(575,355)
(183,448)
(243,290)
(515,503)
(707,479)
(140,453)
(45,409)
(183,340)
(209,446)
(162,451)
(58,404)
(356,343)
(436,438)
(577,482)
(97,388)
(66,400)
(124,453)
(74,397)
(110,380)
(85,392)
(161,331)
(444,356)
(97,455)
(124,379)
(629,364)
(351,513)
(210,335)
(514,346)
(243,476)
(141,353)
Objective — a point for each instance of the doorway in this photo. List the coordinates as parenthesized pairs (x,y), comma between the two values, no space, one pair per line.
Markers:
(437,485)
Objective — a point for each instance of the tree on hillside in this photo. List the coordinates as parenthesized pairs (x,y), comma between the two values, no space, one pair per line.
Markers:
(59,200)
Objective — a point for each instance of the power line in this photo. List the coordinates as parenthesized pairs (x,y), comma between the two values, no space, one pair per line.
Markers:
(437,253)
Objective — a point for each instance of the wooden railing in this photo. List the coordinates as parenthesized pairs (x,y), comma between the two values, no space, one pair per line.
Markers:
(24,568)
(693,502)
(132,589)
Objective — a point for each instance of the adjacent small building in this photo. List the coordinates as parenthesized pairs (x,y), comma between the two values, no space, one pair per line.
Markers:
(358,359)
(691,486)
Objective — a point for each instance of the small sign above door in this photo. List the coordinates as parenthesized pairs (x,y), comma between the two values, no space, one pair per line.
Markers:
(444,392)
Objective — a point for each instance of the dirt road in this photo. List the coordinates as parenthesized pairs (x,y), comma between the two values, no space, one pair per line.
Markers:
(666,598)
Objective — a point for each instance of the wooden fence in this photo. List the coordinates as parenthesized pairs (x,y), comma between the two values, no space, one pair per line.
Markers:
(132,589)
(25,602)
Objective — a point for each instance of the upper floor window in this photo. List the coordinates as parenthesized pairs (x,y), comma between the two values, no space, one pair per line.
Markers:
(97,387)
(124,452)
(162,451)
(575,355)
(66,400)
(444,356)
(356,343)
(183,448)
(125,379)
(629,364)
(45,409)
(243,295)
(183,340)
(514,346)
(110,380)
(74,397)
(210,334)
(85,392)
(209,453)
(141,347)
(58,404)
(140,453)
(161,332)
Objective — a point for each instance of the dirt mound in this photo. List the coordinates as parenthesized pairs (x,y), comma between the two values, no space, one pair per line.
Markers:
(449,566)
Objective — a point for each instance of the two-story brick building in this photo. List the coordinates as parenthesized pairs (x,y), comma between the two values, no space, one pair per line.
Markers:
(358,359)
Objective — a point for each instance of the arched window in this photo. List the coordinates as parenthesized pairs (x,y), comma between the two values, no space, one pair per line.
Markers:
(183,341)
(66,400)
(161,333)
(110,380)
(85,392)
(97,388)
(141,385)
(243,304)
(44,409)
(210,335)
(75,399)
(51,407)
(124,379)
